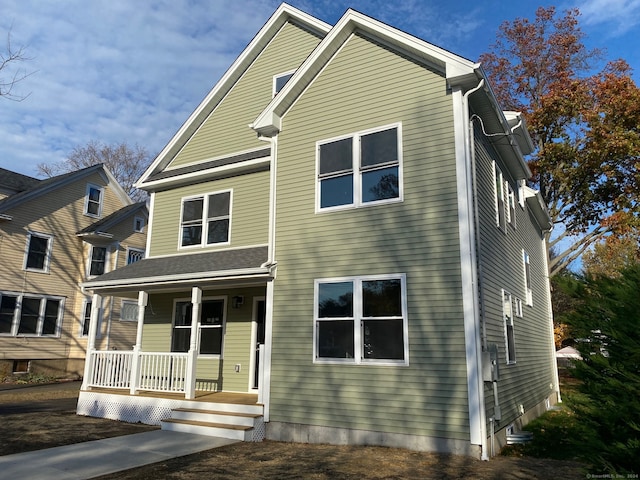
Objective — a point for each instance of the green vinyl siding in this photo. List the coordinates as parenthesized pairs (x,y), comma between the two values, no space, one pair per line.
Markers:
(211,373)
(367,86)
(227,129)
(528,381)
(249,213)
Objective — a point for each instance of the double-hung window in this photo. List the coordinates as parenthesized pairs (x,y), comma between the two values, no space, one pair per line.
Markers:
(206,220)
(210,333)
(30,315)
(507,315)
(93,200)
(361,320)
(499,197)
(360,169)
(526,264)
(97,260)
(38,252)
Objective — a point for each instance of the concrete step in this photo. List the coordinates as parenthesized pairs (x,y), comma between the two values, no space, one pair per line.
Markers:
(210,429)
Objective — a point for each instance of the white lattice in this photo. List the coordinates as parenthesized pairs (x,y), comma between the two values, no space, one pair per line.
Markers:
(126,408)
(259,430)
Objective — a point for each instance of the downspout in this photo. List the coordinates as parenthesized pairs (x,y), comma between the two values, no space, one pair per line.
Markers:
(470,154)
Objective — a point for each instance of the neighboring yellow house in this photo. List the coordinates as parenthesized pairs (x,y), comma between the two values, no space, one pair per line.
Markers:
(55,234)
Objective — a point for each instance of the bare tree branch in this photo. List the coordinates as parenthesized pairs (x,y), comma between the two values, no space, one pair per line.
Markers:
(10,75)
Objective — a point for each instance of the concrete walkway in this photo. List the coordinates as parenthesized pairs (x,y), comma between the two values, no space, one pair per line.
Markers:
(101,457)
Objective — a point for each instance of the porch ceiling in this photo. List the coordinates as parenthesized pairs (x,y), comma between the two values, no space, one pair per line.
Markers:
(246,266)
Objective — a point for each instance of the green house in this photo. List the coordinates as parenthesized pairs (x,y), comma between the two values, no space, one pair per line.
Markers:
(343,248)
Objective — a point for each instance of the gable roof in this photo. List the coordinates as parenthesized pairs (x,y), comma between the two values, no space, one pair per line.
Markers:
(16,182)
(50,184)
(285,13)
(101,227)
(458,71)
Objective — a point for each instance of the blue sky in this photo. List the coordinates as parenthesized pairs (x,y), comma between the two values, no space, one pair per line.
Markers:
(118,70)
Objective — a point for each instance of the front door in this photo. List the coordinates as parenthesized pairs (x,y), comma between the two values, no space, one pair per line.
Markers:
(259,315)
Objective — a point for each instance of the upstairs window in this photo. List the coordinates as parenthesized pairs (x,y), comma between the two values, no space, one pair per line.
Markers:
(38,252)
(526,264)
(360,169)
(93,201)
(279,81)
(501,220)
(206,220)
(361,320)
(97,261)
(134,255)
(138,224)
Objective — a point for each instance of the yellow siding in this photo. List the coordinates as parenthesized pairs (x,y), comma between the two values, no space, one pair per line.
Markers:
(227,129)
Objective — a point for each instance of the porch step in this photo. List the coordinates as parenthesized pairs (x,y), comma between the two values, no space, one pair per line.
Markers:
(247,427)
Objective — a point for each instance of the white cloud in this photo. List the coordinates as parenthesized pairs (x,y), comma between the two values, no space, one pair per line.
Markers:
(621,15)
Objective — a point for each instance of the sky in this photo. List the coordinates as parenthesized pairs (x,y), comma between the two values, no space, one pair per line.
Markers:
(118,71)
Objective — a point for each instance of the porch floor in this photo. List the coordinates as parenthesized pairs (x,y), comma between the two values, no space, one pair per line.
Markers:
(200,396)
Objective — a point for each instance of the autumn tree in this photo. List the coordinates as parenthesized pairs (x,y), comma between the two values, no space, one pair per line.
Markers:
(10,73)
(612,255)
(585,127)
(126,163)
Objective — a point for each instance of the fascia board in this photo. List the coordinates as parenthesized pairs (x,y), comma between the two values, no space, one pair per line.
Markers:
(283,14)
(268,121)
(179,279)
(536,205)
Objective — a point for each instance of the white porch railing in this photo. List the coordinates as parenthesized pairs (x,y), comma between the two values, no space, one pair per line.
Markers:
(157,371)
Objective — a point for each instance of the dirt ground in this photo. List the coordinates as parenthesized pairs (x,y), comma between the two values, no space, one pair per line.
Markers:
(51,421)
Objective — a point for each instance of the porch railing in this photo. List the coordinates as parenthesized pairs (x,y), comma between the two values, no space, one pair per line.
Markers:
(157,371)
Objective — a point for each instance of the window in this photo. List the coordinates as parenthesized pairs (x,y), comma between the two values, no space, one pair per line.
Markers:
(360,169)
(38,252)
(518,308)
(97,261)
(507,314)
(279,81)
(93,201)
(361,320)
(138,224)
(129,311)
(511,205)
(134,255)
(206,220)
(527,277)
(499,197)
(86,318)
(212,318)
(29,315)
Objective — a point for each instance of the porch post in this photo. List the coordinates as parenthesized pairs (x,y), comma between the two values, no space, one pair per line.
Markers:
(96,302)
(190,381)
(143,299)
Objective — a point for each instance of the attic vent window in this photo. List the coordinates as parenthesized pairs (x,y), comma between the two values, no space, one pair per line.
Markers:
(279,81)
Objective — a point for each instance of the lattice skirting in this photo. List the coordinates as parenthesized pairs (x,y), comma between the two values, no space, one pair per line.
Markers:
(126,408)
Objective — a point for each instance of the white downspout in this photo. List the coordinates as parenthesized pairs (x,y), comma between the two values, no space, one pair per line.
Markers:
(473,327)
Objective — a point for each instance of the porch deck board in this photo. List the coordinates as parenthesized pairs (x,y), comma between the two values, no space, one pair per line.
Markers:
(200,396)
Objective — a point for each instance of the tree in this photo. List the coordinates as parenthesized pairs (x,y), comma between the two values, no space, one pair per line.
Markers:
(10,75)
(125,163)
(607,324)
(586,127)
(611,256)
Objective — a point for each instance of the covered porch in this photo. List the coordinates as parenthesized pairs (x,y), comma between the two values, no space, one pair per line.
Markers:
(201,335)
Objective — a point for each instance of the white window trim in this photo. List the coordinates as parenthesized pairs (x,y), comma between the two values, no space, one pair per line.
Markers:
(357,319)
(357,173)
(506,335)
(131,303)
(276,77)
(134,249)
(526,266)
(47,259)
(511,199)
(107,259)
(17,314)
(86,200)
(518,307)
(205,211)
(498,179)
(88,300)
(135,224)
(224,324)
